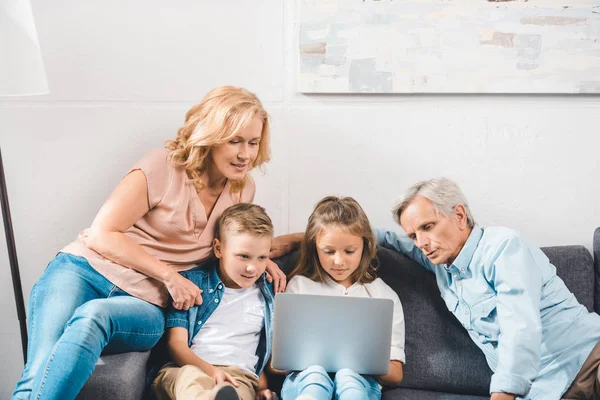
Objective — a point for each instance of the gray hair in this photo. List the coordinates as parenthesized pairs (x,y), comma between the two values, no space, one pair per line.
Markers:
(442,192)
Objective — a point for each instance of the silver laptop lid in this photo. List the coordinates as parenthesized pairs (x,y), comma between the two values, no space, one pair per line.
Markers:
(332,331)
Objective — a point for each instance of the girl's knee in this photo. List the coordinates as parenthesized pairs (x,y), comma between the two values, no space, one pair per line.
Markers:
(346,374)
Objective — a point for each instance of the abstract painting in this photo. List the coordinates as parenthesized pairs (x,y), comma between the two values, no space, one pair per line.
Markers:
(449,46)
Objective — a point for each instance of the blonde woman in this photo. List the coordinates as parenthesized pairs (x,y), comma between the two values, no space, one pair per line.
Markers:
(108,288)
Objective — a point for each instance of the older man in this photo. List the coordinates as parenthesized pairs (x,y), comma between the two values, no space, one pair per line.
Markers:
(539,341)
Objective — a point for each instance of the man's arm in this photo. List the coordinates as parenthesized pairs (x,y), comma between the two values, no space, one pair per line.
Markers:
(177,343)
(517,279)
(403,245)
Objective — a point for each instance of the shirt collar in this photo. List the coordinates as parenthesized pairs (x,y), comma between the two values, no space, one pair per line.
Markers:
(465,256)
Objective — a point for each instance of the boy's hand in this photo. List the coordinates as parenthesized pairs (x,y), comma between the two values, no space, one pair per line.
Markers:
(221,376)
(265,394)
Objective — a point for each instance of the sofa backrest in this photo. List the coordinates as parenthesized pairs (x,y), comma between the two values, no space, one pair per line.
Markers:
(440,355)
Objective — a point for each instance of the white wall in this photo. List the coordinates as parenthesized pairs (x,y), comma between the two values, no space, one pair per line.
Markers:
(123,74)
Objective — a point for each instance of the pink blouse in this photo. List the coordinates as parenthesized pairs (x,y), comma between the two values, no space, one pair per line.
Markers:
(175,230)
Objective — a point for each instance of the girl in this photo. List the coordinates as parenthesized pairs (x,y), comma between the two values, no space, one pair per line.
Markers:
(108,288)
(338,258)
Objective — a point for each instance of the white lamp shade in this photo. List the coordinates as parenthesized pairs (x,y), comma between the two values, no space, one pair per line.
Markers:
(21,66)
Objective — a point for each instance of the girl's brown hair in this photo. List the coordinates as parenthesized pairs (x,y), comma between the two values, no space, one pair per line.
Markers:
(344,212)
(219,117)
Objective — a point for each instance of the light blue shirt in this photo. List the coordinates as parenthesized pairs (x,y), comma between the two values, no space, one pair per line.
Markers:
(505,292)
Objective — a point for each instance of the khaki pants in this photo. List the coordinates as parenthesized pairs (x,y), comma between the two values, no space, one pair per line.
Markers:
(586,385)
(190,383)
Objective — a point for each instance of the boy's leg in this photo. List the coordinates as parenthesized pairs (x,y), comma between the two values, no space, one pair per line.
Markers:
(314,381)
(185,383)
(248,382)
(352,386)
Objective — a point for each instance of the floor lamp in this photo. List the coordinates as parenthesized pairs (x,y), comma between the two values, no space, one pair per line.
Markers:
(21,74)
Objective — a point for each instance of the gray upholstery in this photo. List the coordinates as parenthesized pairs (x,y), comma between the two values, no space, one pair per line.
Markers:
(412,394)
(117,376)
(442,362)
(575,266)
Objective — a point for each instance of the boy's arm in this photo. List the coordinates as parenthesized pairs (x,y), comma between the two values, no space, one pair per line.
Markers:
(263,392)
(394,376)
(177,343)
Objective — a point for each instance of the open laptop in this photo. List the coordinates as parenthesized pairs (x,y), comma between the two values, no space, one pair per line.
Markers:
(332,331)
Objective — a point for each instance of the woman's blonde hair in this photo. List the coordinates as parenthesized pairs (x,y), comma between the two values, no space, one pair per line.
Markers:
(219,117)
(344,212)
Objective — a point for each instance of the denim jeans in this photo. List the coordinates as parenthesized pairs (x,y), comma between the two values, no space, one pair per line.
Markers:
(74,315)
(315,381)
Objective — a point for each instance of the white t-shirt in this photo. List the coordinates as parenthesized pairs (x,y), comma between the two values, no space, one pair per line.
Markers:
(231,334)
(376,289)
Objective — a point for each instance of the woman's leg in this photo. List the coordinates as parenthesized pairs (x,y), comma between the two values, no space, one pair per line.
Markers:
(66,283)
(313,381)
(124,323)
(352,386)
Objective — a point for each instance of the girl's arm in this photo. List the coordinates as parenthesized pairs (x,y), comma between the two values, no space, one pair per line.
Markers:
(394,377)
(125,206)
(263,392)
(177,343)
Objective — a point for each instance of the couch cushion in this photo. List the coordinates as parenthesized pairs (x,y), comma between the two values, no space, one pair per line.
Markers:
(117,376)
(575,266)
(413,394)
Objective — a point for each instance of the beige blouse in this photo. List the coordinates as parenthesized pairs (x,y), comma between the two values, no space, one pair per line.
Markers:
(175,230)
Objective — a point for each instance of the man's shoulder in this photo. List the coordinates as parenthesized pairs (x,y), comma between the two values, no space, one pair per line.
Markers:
(496,235)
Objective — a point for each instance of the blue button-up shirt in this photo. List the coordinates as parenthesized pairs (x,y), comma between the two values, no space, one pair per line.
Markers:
(505,292)
(207,279)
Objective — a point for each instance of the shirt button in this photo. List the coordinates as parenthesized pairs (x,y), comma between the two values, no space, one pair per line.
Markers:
(345,293)
(216,300)
(220,286)
(459,283)
(466,312)
(463,269)
(199,322)
(211,290)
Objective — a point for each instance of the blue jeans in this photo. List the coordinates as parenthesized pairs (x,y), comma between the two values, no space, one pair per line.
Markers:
(74,314)
(315,381)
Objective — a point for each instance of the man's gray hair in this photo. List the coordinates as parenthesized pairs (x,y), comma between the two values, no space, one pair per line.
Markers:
(442,192)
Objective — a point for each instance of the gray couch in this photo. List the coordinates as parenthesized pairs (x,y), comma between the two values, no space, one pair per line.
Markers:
(442,361)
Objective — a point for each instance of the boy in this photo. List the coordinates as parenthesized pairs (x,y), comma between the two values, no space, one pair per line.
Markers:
(226,340)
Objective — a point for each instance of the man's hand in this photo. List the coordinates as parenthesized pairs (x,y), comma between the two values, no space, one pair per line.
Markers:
(265,394)
(502,396)
(275,275)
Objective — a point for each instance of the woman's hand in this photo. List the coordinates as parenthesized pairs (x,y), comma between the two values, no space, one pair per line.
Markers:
(184,293)
(275,275)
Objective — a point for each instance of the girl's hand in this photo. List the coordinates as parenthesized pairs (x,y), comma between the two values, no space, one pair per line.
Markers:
(184,293)
(221,377)
(276,275)
(265,394)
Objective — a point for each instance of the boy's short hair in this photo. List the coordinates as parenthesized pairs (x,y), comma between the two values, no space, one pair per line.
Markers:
(244,218)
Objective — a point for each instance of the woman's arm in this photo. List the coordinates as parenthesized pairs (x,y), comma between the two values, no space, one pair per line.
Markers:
(263,392)
(177,344)
(394,377)
(125,206)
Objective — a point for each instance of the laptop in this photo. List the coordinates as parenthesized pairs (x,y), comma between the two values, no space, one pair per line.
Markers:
(332,331)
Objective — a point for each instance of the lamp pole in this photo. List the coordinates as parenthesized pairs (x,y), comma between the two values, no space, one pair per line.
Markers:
(12,257)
